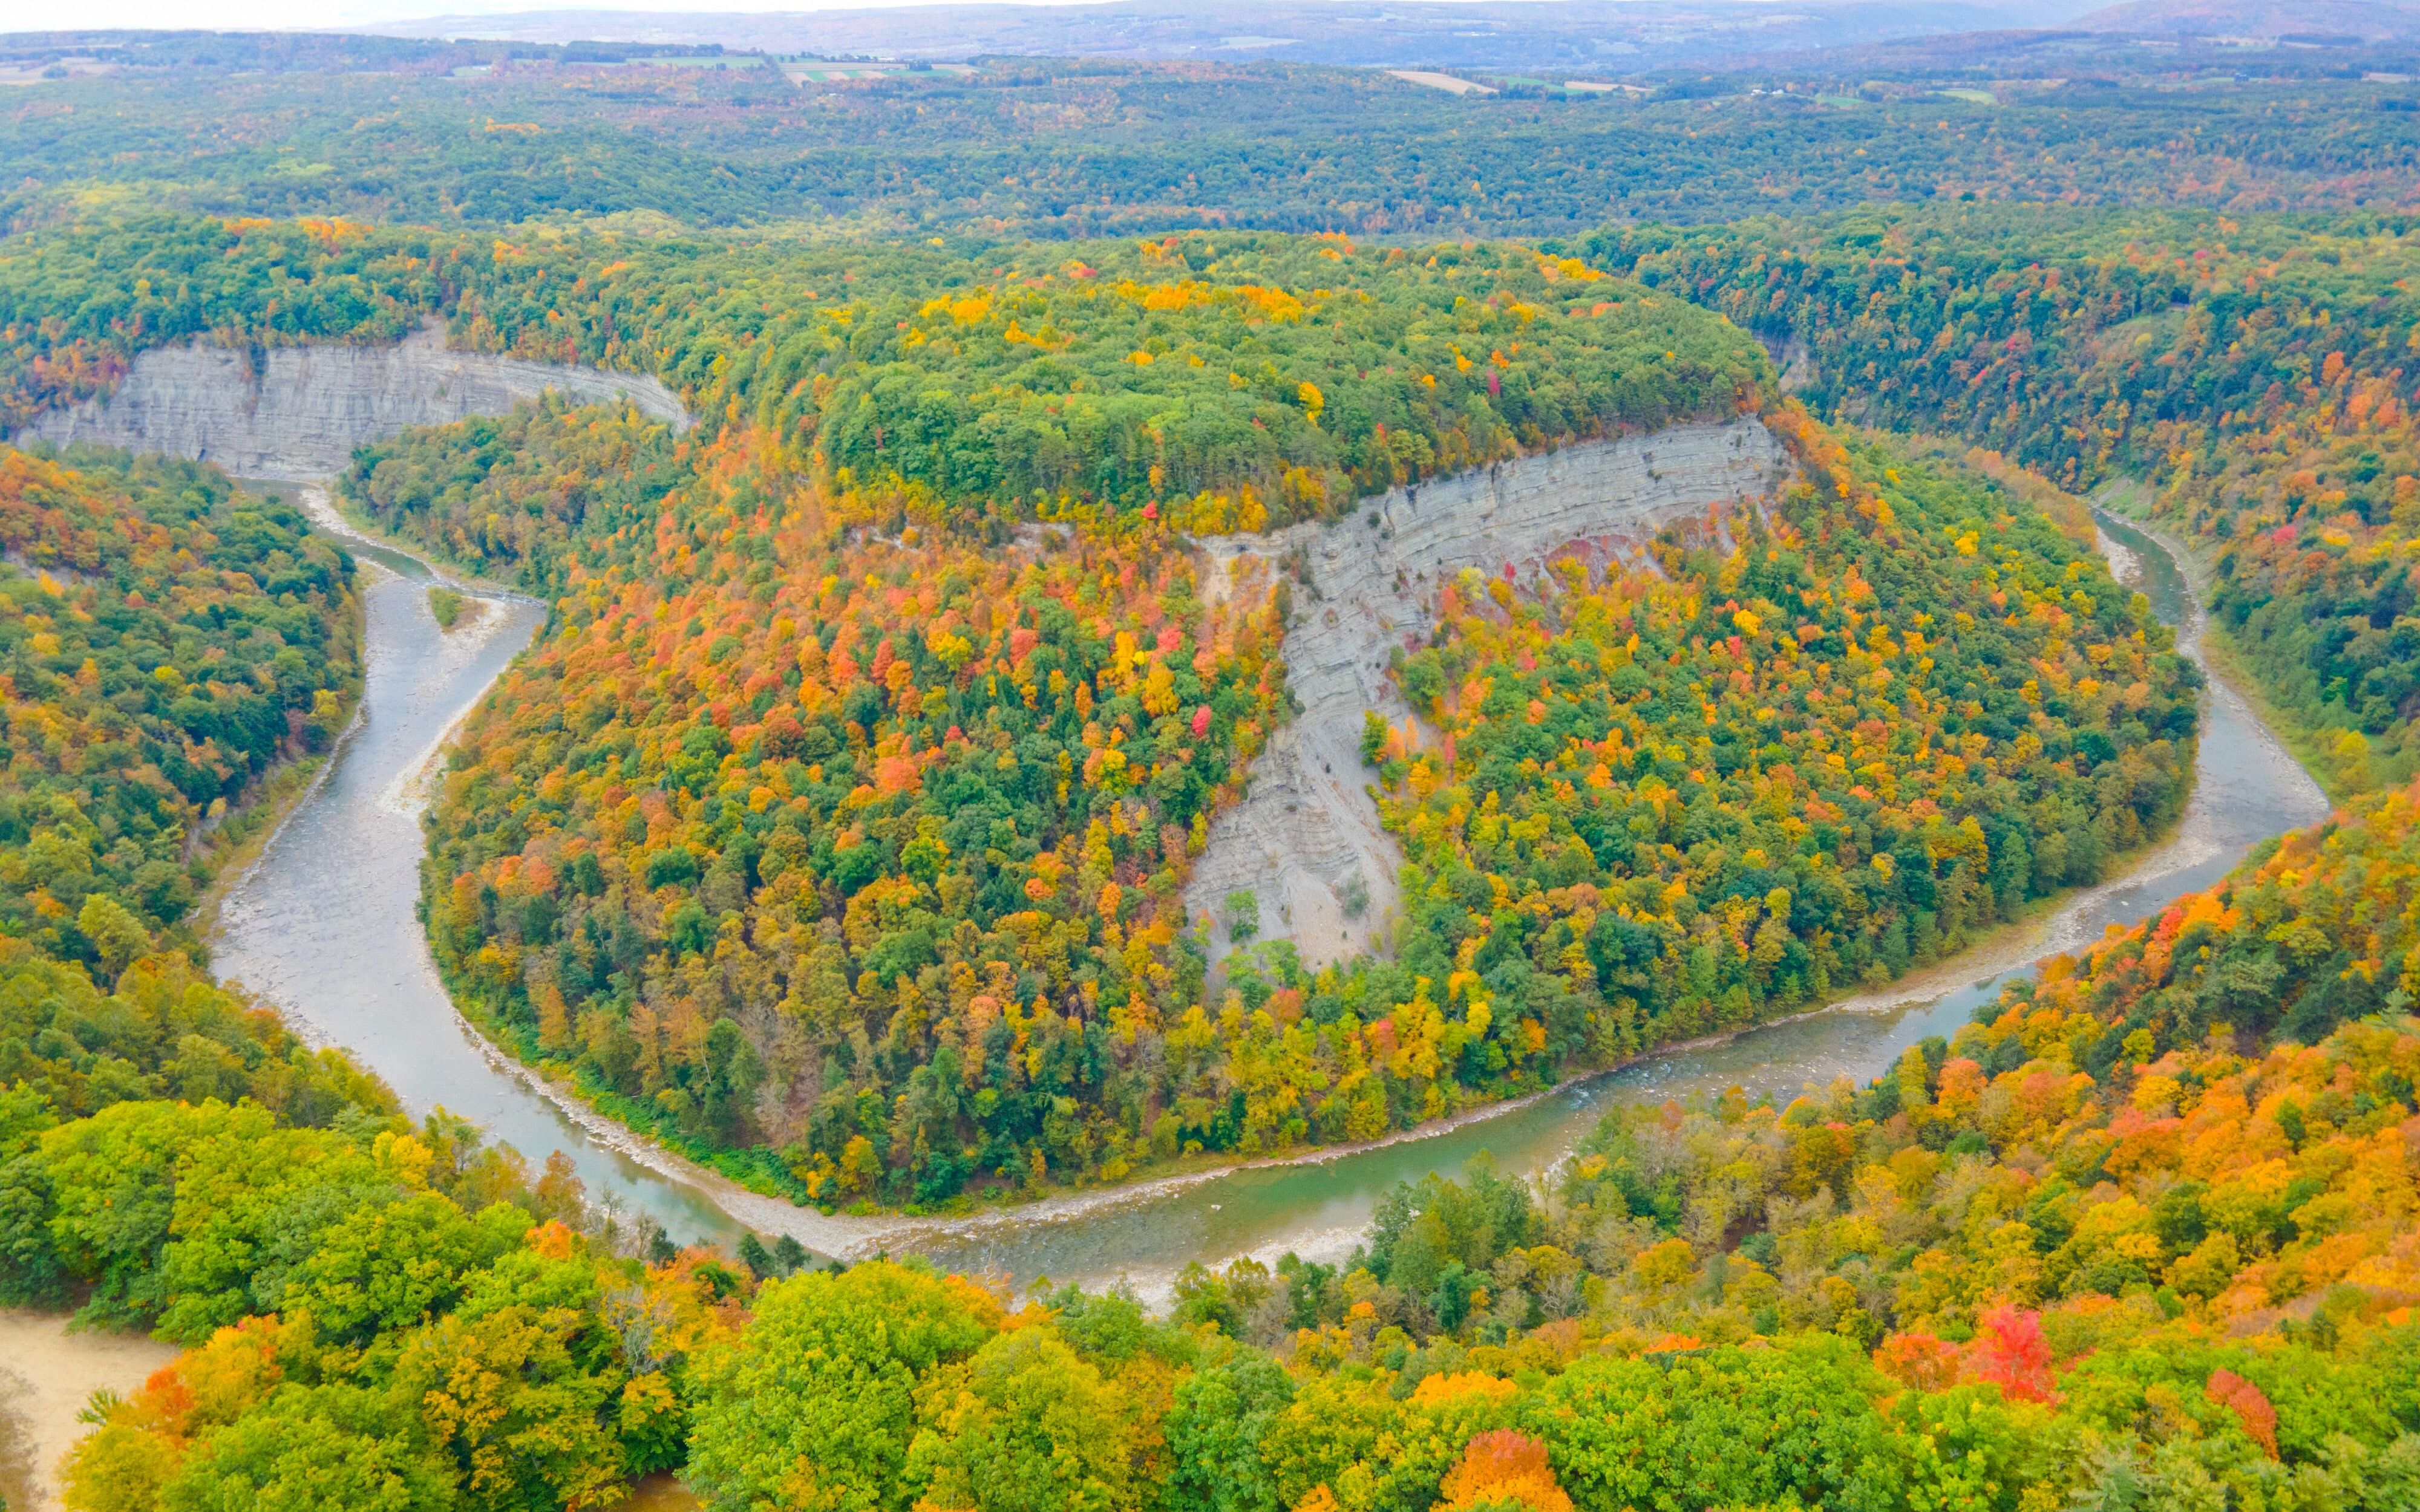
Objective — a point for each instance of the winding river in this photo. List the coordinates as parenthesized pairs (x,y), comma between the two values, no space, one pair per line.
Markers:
(324,926)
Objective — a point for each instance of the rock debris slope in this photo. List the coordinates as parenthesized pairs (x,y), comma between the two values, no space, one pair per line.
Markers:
(1306,841)
(297,413)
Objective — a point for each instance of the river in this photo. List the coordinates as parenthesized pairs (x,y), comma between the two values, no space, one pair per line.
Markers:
(324,923)
(324,926)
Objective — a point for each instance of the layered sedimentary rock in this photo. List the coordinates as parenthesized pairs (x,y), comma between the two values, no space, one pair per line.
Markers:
(1306,841)
(297,413)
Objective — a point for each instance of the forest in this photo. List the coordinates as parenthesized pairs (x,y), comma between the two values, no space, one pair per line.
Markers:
(2137,1236)
(833,832)
(852,865)
(168,643)
(1618,763)
(1230,380)
(1059,149)
(893,914)
(2253,377)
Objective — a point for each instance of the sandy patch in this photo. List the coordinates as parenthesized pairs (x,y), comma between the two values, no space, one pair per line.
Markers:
(660,1493)
(47,1375)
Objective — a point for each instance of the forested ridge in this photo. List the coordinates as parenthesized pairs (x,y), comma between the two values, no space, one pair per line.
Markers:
(2100,1249)
(847,874)
(1900,707)
(1103,147)
(167,642)
(849,858)
(2256,373)
(1236,379)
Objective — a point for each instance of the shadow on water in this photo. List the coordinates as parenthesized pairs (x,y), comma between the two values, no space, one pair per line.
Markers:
(2247,789)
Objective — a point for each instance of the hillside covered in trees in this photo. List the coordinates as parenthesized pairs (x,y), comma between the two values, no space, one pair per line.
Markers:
(168,644)
(837,844)
(854,863)
(1892,711)
(2255,374)
(2111,1246)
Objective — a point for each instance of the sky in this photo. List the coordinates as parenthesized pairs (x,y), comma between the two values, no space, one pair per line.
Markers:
(328,15)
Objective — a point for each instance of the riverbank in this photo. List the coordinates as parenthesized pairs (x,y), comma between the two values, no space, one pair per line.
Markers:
(2220,654)
(364,980)
(326,503)
(2067,920)
(2246,788)
(231,847)
(2177,859)
(2298,734)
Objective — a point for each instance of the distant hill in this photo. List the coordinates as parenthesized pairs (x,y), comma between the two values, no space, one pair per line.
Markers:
(2311,21)
(1556,35)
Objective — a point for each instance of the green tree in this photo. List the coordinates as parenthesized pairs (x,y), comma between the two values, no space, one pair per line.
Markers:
(1221,1415)
(113,1190)
(817,1407)
(1731,1427)
(1025,1425)
(117,935)
(508,1396)
(390,1264)
(313,1449)
(254,1202)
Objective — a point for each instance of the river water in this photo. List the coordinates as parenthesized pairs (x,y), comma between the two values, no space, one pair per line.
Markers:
(324,926)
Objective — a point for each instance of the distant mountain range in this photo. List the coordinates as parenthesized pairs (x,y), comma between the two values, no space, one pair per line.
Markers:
(1666,43)
(2311,21)
(1560,35)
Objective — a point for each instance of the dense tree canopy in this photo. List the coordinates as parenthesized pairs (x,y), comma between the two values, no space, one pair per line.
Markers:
(852,858)
(836,827)
(2115,1244)
(2248,381)
(1873,721)
(1053,149)
(166,643)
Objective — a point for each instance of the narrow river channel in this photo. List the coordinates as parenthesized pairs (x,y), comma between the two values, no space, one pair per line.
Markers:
(324,927)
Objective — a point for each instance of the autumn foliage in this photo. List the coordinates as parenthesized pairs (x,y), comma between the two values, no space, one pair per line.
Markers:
(2248,380)
(166,643)
(1809,748)
(1502,1469)
(916,815)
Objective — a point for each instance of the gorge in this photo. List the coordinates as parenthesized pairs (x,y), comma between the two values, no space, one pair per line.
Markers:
(358,975)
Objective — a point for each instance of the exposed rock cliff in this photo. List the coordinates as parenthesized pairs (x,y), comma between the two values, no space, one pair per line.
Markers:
(1306,841)
(297,413)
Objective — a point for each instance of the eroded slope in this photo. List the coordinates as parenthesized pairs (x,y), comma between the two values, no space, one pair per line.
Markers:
(298,411)
(1306,841)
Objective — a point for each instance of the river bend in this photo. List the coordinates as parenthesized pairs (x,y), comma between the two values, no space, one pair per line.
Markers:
(324,926)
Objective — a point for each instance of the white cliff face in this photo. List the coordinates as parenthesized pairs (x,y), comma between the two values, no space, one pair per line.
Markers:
(1307,840)
(303,412)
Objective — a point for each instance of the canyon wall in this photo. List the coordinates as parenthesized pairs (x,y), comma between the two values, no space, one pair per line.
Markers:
(297,413)
(1306,841)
